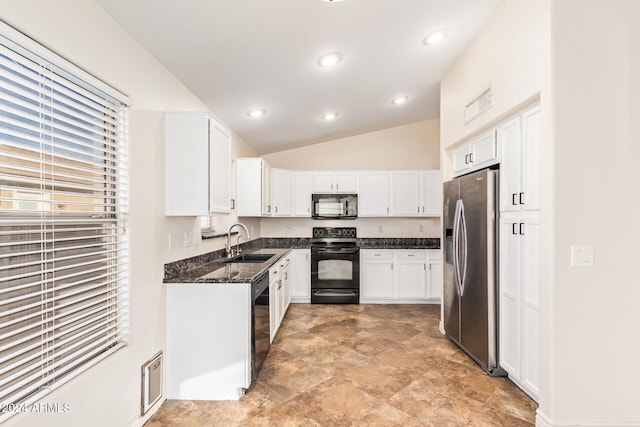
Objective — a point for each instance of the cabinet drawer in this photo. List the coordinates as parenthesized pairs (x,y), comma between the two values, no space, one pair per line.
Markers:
(434,254)
(375,254)
(411,255)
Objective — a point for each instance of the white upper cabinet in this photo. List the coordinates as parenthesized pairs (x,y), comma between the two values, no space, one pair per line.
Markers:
(405,193)
(373,193)
(478,152)
(334,182)
(416,193)
(519,140)
(281,192)
(253,186)
(431,193)
(302,189)
(197,165)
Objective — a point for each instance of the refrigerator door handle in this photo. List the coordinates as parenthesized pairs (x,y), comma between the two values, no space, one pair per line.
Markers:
(463,268)
(456,244)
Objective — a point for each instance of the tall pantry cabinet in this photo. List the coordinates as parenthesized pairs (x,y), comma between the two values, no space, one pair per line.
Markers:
(519,142)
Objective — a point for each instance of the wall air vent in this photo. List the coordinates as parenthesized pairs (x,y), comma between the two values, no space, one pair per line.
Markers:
(151,383)
(477,106)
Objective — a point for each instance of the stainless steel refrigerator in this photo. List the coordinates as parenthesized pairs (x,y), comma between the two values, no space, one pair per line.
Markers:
(470,268)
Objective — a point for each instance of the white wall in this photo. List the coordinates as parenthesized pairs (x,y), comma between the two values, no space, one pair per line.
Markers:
(596,114)
(412,146)
(509,56)
(109,394)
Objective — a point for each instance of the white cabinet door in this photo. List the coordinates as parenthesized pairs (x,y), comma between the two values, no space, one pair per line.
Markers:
(509,314)
(345,182)
(323,182)
(334,182)
(411,279)
(431,193)
(405,193)
(460,158)
(434,275)
(376,274)
(302,189)
(250,190)
(197,165)
(274,298)
(530,303)
(531,158)
(478,152)
(509,138)
(373,194)
(281,192)
(220,173)
(519,139)
(266,207)
(519,310)
(301,275)
(483,149)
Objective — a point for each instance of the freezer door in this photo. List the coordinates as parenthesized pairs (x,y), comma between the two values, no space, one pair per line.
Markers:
(477,302)
(450,297)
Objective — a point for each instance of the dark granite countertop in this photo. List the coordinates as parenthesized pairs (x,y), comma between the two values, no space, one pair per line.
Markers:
(209,268)
(220,272)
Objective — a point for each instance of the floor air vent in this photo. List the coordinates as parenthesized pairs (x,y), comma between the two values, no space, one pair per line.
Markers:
(151,383)
(477,106)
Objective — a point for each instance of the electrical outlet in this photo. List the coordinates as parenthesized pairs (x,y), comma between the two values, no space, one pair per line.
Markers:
(379,229)
(582,256)
(421,228)
(188,239)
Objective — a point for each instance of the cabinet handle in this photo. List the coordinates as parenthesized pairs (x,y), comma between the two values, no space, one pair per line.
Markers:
(418,209)
(392,266)
(424,267)
(470,157)
(466,159)
(337,187)
(514,196)
(513,228)
(521,198)
(233,204)
(522,228)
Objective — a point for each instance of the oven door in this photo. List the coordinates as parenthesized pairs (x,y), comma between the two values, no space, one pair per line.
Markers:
(335,274)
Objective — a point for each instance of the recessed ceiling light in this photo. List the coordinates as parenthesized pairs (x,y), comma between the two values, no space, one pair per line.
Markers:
(399,100)
(329,59)
(329,116)
(435,37)
(258,112)
(331,1)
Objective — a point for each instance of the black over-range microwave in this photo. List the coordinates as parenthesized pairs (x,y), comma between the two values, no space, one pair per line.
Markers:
(334,206)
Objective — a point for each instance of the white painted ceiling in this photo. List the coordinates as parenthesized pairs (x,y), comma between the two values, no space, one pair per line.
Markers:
(237,55)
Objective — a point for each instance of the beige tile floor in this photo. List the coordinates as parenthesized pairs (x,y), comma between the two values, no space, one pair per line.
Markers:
(362,365)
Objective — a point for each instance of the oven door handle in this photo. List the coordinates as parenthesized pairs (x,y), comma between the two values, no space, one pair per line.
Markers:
(336,251)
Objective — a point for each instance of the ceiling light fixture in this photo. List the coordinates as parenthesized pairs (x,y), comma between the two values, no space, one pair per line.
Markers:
(329,59)
(399,100)
(435,37)
(331,1)
(329,116)
(258,112)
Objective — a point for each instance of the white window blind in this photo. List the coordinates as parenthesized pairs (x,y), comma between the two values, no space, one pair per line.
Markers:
(63,237)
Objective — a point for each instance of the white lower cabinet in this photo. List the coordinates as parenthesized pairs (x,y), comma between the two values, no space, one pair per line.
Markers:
(301,275)
(202,319)
(519,310)
(390,276)
(279,292)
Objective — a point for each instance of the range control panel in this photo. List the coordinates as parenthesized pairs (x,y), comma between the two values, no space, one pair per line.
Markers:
(334,232)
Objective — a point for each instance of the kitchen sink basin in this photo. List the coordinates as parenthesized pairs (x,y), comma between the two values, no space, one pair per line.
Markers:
(249,258)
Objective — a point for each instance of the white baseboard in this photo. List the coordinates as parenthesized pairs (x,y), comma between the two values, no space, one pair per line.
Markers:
(543,421)
(140,420)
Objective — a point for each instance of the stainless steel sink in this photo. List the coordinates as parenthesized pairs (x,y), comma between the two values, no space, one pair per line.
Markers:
(249,258)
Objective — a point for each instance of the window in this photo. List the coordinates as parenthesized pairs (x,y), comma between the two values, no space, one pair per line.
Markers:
(63,237)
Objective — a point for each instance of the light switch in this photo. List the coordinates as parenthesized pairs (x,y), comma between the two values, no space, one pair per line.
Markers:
(188,239)
(582,256)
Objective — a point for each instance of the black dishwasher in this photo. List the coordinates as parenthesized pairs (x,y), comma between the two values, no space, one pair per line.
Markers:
(260,324)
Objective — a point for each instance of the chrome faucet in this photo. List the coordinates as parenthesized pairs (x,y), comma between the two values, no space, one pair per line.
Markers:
(228,248)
